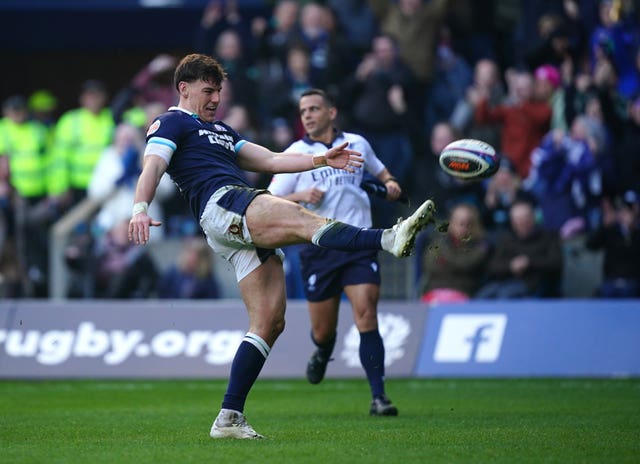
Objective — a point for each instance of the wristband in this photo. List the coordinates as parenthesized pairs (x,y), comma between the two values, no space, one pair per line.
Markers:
(140,207)
(319,161)
(391,178)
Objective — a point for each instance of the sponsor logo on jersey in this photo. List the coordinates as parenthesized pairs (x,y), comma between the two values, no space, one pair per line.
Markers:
(153,127)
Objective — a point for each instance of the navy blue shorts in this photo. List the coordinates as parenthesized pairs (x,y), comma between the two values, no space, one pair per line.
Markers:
(326,272)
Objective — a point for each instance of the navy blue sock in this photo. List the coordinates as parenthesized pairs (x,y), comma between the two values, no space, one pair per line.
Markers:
(325,349)
(340,236)
(372,359)
(246,365)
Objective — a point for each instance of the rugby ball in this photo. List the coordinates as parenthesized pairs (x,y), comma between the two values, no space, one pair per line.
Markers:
(469,159)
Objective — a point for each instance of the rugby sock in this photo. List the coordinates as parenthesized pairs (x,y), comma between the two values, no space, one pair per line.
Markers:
(247,364)
(372,359)
(340,236)
(325,349)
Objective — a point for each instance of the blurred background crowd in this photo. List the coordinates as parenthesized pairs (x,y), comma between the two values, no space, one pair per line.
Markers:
(554,86)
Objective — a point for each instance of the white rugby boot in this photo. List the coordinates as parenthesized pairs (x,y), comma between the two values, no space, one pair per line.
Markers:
(232,424)
(406,230)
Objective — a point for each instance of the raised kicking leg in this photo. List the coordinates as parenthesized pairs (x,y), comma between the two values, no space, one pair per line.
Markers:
(275,222)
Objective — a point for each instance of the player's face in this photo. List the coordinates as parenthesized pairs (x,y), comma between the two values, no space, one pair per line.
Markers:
(201,97)
(316,116)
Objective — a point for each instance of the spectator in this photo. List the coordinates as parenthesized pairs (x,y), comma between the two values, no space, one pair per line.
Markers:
(413,22)
(414,26)
(452,77)
(486,81)
(193,277)
(548,88)
(217,17)
(114,179)
(617,34)
(80,136)
(42,107)
(524,120)
(619,237)
(29,209)
(329,53)
(526,261)
(380,93)
(357,21)
(273,37)
(501,192)
(240,118)
(241,73)
(472,24)
(280,95)
(625,151)
(454,262)
(153,83)
(11,278)
(443,188)
(566,179)
(121,269)
(559,39)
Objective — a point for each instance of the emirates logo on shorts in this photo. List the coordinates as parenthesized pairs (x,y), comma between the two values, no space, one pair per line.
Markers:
(235,229)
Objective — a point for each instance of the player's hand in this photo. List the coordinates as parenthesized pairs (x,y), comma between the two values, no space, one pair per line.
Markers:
(312,195)
(519,264)
(139,228)
(162,63)
(341,157)
(393,189)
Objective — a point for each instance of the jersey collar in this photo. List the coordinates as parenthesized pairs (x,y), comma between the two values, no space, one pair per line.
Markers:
(190,113)
(336,135)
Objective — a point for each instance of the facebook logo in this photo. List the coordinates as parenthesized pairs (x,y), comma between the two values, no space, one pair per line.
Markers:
(470,338)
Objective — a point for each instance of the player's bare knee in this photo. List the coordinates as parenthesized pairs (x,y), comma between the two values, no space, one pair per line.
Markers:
(323,335)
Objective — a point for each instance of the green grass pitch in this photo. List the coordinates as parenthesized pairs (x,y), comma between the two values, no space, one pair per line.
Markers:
(441,421)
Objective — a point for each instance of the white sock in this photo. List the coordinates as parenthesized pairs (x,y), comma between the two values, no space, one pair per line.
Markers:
(388,237)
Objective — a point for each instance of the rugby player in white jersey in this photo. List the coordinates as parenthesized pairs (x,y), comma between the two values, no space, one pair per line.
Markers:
(327,273)
(206,159)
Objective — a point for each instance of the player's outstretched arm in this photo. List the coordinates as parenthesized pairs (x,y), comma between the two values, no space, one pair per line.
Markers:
(152,170)
(252,157)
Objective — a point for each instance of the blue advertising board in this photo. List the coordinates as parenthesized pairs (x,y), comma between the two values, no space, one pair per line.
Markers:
(532,338)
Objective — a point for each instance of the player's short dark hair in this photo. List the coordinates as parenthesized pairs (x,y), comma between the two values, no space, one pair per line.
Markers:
(324,95)
(197,66)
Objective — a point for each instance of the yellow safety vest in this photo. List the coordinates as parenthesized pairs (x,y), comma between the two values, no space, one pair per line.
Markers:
(25,145)
(79,139)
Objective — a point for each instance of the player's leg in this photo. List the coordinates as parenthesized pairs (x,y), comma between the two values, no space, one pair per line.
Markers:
(263,292)
(364,300)
(324,321)
(275,222)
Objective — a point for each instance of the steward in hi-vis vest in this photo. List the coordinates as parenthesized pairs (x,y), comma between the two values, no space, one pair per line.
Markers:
(79,139)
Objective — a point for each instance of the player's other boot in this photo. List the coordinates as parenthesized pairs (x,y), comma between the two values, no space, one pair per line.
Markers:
(382,406)
(406,230)
(232,424)
(316,367)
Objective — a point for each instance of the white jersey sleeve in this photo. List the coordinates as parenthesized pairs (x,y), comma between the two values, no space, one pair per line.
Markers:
(283,184)
(343,200)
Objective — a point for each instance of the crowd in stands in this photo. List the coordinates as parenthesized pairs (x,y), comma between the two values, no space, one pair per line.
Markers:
(554,86)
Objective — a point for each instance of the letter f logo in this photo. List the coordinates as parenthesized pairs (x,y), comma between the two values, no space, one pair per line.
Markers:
(470,337)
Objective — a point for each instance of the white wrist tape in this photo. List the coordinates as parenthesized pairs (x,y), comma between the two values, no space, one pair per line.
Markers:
(140,207)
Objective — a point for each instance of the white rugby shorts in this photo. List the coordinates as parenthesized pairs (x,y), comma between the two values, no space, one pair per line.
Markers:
(228,235)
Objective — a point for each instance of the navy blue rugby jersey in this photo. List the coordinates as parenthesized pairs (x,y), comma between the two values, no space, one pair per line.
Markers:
(201,155)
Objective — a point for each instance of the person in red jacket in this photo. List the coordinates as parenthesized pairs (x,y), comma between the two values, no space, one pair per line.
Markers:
(524,120)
